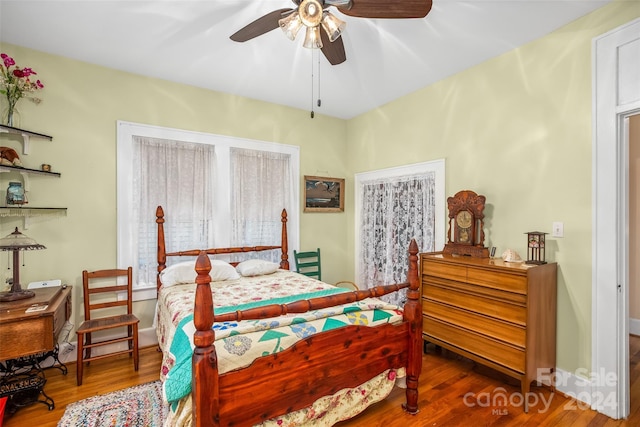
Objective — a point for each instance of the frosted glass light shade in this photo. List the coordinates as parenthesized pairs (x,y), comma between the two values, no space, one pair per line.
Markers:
(291,24)
(333,26)
(312,39)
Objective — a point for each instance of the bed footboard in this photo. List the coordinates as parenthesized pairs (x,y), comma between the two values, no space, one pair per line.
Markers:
(331,361)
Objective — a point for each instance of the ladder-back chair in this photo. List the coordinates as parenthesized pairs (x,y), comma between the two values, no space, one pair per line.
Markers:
(106,309)
(308,263)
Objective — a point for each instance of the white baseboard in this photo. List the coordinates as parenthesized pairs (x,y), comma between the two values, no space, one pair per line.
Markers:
(68,350)
(634,326)
(573,386)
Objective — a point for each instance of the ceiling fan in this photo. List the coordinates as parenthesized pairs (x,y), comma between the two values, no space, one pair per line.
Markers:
(314,14)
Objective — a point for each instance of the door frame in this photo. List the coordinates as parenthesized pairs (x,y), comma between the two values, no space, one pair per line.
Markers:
(613,103)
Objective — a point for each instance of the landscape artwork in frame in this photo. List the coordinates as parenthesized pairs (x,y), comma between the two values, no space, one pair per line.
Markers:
(322,194)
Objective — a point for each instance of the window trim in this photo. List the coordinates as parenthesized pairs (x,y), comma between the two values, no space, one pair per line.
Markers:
(124,173)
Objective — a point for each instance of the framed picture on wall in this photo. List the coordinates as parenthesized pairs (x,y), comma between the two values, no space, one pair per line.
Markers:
(322,194)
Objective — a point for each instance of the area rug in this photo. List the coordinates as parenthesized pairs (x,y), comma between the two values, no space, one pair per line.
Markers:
(139,406)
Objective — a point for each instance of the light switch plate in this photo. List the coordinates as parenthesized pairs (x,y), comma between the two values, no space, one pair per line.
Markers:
(558,229)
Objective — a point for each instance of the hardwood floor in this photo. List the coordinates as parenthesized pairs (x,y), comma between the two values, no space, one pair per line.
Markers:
(444,383)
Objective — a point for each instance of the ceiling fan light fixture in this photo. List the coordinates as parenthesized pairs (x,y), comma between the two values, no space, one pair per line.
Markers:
(291,24)
(312,39)
(332,25)
(310,12)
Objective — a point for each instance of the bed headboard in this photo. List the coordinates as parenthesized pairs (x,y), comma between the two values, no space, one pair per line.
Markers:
(163,254)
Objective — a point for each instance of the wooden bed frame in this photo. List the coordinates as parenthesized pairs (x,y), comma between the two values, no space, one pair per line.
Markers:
(274,385)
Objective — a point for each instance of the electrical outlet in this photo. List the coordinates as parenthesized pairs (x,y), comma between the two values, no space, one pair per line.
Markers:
(558,229)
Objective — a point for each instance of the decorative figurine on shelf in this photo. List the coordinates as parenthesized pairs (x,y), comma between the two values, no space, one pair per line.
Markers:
(9,157)
(15,84)
(535,247)
(15,194)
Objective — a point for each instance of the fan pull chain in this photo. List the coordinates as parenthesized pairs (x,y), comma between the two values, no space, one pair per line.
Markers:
(319,100)
(312,113)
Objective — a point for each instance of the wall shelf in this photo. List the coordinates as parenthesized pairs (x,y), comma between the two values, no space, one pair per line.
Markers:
(4,168)
(26,136)
(25,211)
(28,212)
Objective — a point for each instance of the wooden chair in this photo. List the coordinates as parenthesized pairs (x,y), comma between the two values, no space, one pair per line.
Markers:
(308,263)
(101,293)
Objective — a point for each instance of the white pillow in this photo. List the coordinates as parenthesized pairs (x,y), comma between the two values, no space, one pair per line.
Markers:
(256,267)
(222,270)
(185,272)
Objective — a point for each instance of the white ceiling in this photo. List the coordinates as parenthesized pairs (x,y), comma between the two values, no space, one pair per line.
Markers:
(188,42)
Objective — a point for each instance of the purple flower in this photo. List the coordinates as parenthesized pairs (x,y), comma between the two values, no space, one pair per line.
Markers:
(8,61)
(28,72)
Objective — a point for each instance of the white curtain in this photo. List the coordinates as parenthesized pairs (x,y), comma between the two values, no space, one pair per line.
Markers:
(394,211)
(261,186)
(179,177)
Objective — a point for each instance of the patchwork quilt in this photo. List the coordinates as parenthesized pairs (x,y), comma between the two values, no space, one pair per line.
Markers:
(239,343)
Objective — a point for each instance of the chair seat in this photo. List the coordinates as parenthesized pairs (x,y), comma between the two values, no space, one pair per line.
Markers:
(93,325)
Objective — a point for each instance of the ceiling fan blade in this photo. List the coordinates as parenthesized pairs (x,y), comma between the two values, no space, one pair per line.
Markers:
(260,26)
(390,9)
(333,51)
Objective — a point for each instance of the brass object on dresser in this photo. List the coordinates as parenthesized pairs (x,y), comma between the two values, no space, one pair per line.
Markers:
(499,314)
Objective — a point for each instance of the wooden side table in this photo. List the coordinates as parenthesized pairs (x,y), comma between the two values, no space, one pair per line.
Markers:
(29,331)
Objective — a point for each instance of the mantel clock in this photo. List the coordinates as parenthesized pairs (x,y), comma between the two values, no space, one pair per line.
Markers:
(466,220)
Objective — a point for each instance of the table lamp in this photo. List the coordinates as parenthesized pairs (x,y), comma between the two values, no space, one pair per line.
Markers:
(17,242)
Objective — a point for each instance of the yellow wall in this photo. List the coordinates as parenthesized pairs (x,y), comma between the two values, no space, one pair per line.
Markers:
(80,106)
(517,129)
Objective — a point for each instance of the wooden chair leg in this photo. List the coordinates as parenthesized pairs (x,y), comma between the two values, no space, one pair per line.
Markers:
(88,350)
(136,358)
(79,362)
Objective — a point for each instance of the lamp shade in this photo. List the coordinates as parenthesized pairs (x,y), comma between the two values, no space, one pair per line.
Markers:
(312,39)
(291,24)
(332,25)
(17,242)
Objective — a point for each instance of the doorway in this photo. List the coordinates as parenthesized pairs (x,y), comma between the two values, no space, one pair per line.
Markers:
(616,100)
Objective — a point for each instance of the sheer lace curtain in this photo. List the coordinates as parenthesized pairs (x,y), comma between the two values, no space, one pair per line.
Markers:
(262,184)
(394,211)
(161,178)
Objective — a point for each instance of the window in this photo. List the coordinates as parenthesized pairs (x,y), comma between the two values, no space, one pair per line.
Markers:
(216,191)
(394,206)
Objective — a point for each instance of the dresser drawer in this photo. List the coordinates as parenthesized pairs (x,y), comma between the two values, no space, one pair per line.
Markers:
(481,345)
(508,333)
(506,281)
(507,307)
(444,270)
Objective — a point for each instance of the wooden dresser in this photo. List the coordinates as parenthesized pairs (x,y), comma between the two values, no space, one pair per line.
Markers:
(499,314)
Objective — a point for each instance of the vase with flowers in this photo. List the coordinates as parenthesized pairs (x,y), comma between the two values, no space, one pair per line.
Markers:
(16,83)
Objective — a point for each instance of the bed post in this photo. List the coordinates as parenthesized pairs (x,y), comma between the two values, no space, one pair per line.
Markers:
(205,387)
(284,262)
(162,250)
(413,315)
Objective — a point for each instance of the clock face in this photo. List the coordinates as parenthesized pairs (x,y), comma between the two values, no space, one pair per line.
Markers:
(464,219)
